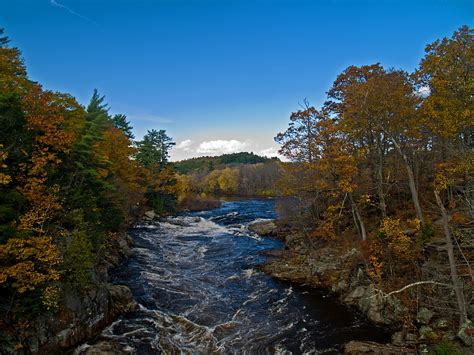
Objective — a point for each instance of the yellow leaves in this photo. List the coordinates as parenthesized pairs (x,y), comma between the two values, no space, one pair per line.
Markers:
(389,226)
(4,178)
(227,180)
(376,270)
(29,262)
(44,204)
(447,173)
(441,182)
(365,199)
(398,241)
(50,297)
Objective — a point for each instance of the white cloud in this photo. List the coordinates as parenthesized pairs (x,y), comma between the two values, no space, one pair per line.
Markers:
(424,91)
(269,152)
(221,146)
(185,145)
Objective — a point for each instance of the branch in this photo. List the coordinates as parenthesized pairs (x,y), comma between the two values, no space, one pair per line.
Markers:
(385,295)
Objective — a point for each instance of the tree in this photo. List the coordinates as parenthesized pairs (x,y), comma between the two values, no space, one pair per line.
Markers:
(447,70)
(375,109)
(3,40)
(120,122)
(153,150)
(298,142)
(447,73)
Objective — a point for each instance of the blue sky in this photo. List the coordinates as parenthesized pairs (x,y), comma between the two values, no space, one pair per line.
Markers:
(218,75)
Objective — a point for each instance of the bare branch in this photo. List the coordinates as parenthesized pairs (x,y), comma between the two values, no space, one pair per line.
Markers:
(385,295)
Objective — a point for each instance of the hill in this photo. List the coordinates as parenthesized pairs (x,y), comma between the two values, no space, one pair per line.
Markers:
(211,163)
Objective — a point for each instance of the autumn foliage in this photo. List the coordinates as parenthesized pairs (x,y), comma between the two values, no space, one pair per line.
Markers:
(369,163)
(70,177)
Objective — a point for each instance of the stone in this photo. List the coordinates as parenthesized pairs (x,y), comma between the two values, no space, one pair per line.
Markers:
(424,316)
(441,324)
(411,338)
(427,334)
(121,299)
(466,332)
(355,295)
(369,347)
(398,338)
(264,228)
(150,215)
(107,347)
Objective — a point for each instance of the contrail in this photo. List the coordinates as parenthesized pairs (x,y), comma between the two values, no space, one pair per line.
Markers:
(57,4)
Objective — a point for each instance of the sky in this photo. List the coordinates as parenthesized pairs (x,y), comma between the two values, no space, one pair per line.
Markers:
(220,76)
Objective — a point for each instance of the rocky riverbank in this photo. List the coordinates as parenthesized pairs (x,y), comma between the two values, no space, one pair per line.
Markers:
(341,271)
(80,316)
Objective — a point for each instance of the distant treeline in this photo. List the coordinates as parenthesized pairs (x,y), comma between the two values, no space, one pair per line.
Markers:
(237,174)
(211,163)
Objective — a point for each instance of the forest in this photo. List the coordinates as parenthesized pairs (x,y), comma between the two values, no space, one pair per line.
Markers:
(385,166)
(238,174)
(71,178)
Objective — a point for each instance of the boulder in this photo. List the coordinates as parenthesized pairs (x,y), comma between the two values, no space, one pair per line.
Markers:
(424,316)
(441,324)
(466,332)
(427,334)
(107,347)
(150,215)
(264,228)
(379,309)
(121,299)
(369,347)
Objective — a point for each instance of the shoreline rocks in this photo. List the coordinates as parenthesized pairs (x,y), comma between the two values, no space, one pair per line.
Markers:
(82,314)
(340,272)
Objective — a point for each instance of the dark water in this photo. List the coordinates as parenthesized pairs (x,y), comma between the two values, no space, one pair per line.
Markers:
(195,279)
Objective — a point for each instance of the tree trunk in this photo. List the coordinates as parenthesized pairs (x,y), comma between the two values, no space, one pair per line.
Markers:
(452,262)
(411,182)
(380,193)
(382,204)
(360,225)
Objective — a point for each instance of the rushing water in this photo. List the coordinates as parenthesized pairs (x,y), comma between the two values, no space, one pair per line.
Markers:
(195,279)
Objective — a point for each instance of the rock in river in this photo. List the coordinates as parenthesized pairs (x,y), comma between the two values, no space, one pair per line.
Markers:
(264,227)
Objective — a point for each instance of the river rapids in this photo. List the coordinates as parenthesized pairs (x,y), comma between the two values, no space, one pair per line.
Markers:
(195,279)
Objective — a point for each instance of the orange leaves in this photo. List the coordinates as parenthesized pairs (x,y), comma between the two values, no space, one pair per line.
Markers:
(45,112)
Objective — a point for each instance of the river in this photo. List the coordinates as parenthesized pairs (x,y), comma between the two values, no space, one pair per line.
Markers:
(195,278)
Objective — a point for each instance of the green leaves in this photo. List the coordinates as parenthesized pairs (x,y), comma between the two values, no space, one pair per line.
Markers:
(153,150)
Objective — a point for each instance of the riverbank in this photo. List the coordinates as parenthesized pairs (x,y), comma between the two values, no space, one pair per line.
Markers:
(341,271)
(80,315)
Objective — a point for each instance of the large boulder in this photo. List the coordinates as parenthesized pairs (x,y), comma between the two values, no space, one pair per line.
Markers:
(121,299)
(424,316)
(466,333)
(264,227)
(368,347)
(150,215)
(107,347)
(378,308)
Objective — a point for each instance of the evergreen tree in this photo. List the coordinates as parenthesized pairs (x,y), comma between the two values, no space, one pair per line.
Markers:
(3,40)
(154,148)
(120,122)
